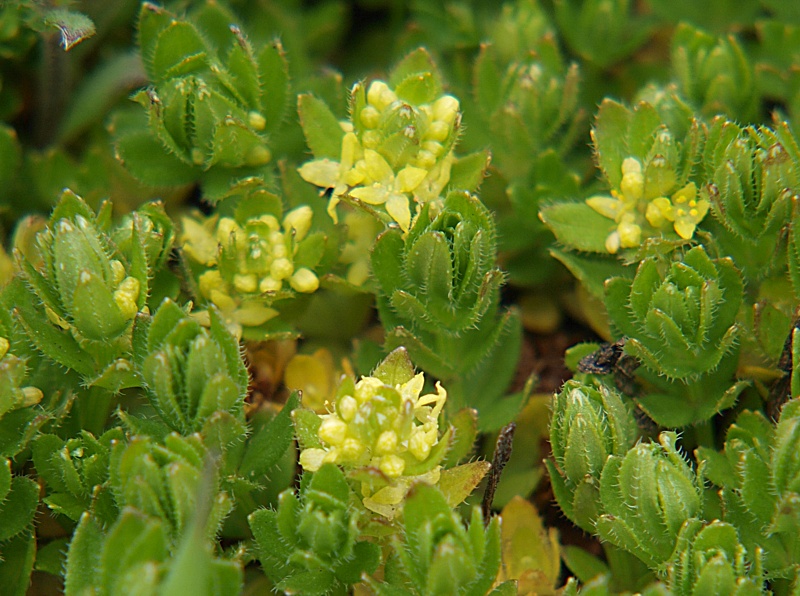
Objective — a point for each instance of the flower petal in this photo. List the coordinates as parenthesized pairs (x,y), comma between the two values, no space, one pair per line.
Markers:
(378,169)
(606,206)
(409,178)
(397,207)
(376,194)
(320,172)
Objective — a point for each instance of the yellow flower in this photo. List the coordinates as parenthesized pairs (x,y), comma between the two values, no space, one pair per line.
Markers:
(379,437)
(389,189)
(685,211)
(337,175)
(631,210)
(688,210)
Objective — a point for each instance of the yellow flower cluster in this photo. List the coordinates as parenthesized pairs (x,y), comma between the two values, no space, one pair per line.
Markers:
(247,264)
(391,429)
(367,169)
(379,426)
(631,208)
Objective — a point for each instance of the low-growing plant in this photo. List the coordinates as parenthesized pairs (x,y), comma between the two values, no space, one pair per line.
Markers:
(282,283)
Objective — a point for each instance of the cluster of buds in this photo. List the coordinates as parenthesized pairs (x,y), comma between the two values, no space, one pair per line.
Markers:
(382,425)
(377,425)
(397,147)
(245,262)
(651,193)
(631,206)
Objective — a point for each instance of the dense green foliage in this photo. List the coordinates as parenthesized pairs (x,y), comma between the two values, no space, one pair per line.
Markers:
(271,273)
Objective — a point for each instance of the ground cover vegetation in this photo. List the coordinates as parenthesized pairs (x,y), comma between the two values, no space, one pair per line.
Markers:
(400,297)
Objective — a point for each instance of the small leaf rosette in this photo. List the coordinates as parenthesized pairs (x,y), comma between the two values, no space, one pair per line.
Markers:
(528,106)
(156,535)
(714,73)
(588,425)
(213,99)
(647,495)
(441,277)
(754,176)
(709,559)
(243,264)
(647,155)
(679,318)
(90,288)
(396,151)
(384,429)
(190,372)
(759,454)
(439,554)
(311,540)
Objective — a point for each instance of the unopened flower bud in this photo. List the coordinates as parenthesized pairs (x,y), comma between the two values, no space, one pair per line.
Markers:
(445,109)
(370,117)
(281,268)
(256,121)
(126,296)
(380,96)
(386,443)
(300,220)
(304,280)
(438,131)
(392,465)
(333,431)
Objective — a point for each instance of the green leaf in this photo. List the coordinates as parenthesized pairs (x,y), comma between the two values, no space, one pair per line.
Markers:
(458,483)
(52,557)
(366,558)
(578,226)
(488,80)
(54,343)
(5,479)
(306,425)
(420,88)
(16,563)
(320,127)
(148,161)
(592,270)
(133,540)
(465,430)
(73,26)
(265,448)
(83,558)
(468,171)
(17,510)
(94,311)
(395,369)
(179,50)
(273,70)
(417,62)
